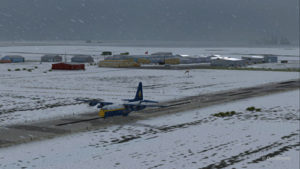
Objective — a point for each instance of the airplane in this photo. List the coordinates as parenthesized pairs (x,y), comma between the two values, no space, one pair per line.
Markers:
(108,109)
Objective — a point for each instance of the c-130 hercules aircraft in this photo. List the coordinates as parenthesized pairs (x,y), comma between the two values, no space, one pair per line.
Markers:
(108,109)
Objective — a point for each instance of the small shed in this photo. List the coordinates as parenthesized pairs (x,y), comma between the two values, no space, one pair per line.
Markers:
(67,66)
(125,53)
(253,59)
(13,58)
(105,53)
(82,59)
(51,58)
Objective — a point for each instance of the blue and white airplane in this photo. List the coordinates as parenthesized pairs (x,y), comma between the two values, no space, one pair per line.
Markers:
(108,109)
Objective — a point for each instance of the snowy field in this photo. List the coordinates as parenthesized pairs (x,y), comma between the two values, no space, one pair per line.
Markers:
(29,96)
(260,139)
(195,139)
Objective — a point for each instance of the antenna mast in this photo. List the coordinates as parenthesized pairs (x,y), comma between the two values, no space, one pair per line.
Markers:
(65,57)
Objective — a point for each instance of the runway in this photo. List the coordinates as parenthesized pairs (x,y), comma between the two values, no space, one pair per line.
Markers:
(17,134)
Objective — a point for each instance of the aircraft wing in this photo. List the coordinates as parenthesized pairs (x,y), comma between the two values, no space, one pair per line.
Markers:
(149,101)
(94,102)
(129,100)
(146,105)
(146,101)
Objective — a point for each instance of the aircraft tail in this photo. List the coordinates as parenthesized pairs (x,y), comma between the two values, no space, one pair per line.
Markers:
(139,93)
(139,96)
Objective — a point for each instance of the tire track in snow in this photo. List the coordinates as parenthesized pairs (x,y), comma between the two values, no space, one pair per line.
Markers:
(279,146)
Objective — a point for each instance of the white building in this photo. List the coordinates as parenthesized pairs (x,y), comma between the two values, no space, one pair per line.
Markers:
(220,61)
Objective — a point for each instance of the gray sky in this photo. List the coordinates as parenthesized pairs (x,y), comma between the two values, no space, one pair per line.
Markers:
(186,20)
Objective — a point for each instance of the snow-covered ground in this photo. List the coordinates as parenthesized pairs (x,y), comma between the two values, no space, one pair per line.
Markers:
(39,94)
(195,139)
(292,64)
(261,139)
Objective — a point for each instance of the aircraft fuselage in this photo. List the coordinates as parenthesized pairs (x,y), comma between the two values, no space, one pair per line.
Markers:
(113,110)
(118,110)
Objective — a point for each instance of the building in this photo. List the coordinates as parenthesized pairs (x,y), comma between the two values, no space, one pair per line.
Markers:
(5,61)
(172,61)
(66,66)
(204,59)
(13,58)
(196,59)
(270,59)
(253,59)
(125,53)
(187,60)
(162,54)
(82,59)
(156,58)
(142,59)
(118,63)
(227,62)
(161,57)
(51,58)
(125,57)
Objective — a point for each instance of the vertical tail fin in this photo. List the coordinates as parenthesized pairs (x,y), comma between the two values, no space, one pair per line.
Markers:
(139,92)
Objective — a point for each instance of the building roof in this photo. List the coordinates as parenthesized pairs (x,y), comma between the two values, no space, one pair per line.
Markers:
(69,63)
(226,58)
(214,56)
(82,56)
(162,53)
(254,57)
(51,56)
(13,56)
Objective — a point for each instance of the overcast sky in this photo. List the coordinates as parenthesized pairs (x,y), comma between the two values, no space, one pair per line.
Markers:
(186,20)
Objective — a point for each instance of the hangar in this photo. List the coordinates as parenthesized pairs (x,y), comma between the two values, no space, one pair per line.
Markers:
(82,59)
(51,58)
(253,59)
(13,58)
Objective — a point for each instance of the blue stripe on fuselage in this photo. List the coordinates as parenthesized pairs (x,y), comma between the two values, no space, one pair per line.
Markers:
(117,112)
